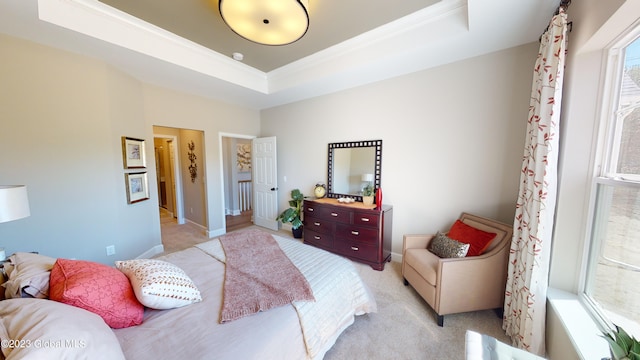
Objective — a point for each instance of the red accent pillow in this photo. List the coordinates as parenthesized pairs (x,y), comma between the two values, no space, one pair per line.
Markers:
(477,239)
(98,288)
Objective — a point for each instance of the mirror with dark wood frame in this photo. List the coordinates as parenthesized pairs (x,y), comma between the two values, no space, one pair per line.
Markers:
(351,165)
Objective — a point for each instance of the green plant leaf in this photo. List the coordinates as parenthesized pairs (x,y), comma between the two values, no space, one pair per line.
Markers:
(616,350)
(296,195)
(296,223)
(292,214)
(623,339)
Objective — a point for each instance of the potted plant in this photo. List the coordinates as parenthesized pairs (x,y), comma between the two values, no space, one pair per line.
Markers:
(292,214)
(367,194)
(621,345)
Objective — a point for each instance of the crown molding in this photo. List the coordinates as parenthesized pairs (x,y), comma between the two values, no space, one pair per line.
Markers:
(445,32)
(100,21)
(403,36)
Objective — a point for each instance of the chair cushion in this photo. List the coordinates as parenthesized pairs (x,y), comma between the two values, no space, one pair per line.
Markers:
(424,262)
(445,247)
(477,239)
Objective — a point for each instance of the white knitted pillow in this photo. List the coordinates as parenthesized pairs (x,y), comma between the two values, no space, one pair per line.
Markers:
(159,284)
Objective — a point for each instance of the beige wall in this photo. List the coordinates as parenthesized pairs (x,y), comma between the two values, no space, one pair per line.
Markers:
(194,184)
(62,121)
(62,117)
(169,108)
(452,139)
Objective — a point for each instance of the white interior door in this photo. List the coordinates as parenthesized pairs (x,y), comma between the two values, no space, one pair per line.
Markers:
(265,182)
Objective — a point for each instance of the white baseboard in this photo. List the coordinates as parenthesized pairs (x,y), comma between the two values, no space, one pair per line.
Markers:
(396,257)
(151,252)
(232,212)
(215,233)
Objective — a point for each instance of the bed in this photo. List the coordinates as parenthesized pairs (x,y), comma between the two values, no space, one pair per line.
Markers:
(300,330)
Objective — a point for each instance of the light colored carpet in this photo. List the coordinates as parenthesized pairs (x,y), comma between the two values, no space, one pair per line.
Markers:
(404,326)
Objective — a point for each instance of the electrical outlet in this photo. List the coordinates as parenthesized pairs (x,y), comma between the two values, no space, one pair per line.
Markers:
(111,250)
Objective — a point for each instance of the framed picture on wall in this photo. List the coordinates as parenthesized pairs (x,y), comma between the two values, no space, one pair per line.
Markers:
(133,153)
(137,187)
(244,157)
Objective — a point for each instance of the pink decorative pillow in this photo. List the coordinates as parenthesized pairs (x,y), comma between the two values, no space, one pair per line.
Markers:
(98,288)
(477,239)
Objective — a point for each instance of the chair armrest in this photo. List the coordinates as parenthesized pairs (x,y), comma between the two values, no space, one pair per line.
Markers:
(416,241)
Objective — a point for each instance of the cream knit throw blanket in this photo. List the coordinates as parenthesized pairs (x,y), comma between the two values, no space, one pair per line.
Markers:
(258,276)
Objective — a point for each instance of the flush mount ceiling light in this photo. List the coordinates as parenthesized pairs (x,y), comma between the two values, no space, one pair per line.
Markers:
(268,22)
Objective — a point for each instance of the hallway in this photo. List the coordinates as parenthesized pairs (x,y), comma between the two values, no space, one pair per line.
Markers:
(176,237)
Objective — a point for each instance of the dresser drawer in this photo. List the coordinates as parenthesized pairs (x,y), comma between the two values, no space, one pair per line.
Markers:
(333,213)
(358,250)
(357,233)
(318,239)
(365,219)
(319,225)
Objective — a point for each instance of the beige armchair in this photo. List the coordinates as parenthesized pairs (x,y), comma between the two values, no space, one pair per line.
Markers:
(455,285)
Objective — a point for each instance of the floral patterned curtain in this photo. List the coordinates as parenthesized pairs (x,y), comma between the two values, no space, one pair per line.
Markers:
(527,280)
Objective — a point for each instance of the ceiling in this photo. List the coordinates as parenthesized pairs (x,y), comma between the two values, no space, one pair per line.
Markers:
(331,22)
(185,45)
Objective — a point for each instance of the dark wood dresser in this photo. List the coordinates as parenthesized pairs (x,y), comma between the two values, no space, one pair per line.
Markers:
(359,232)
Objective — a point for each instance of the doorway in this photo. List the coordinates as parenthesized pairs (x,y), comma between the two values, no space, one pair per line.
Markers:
(237,181)
(178,188)
(165,169)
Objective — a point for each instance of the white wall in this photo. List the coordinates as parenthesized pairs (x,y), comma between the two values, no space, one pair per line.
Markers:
(452,139)
(595,25)
(61,121)
(580,121)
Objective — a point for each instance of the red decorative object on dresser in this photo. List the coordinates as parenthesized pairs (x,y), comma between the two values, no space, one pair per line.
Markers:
(357,231)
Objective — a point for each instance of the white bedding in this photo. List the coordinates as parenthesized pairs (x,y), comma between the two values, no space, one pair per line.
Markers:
(193,332)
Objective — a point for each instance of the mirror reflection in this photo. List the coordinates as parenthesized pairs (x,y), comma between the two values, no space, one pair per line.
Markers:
(352,166)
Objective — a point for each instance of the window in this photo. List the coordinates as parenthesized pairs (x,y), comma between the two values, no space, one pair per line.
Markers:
(613,271)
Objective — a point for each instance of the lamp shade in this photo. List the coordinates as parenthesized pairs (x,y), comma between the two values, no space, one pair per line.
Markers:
(272,22)
(367,177)
(14,203)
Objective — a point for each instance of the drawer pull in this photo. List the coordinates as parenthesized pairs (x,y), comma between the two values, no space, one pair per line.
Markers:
(365,219)
(334,214)
(316,237)
(310,209)
(316,223)
(353,232)
(354,248)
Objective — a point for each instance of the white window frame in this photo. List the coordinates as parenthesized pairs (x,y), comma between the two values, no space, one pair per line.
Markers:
(605,159)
